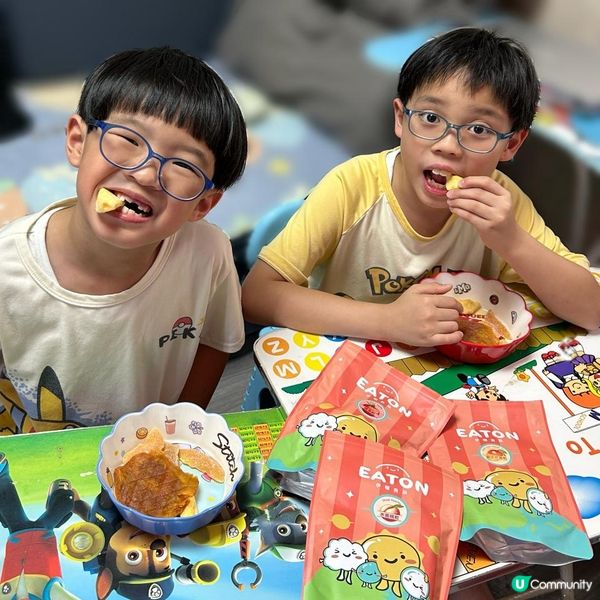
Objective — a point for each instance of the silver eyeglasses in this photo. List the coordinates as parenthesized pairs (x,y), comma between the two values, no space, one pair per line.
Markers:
(127,149)
(474,137)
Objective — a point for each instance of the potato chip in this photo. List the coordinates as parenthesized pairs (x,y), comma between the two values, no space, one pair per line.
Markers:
(469,307)
(152,441)
(195,458)
(487,329)
(107,201)
(150,483)
(452,182)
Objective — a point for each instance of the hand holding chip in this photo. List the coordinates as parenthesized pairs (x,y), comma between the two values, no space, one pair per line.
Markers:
(488,206)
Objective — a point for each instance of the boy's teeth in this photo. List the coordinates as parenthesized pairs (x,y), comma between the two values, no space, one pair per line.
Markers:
(443,173)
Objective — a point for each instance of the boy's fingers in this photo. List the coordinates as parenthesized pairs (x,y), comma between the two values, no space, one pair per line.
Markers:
(433,288)
(439,339)
(449,317)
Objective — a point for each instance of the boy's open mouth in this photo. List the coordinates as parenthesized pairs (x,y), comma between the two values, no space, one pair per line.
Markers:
(142,210)
(436,179)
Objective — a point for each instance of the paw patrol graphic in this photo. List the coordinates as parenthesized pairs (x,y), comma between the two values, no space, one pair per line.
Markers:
(31,567)
(280,520)
(132,563)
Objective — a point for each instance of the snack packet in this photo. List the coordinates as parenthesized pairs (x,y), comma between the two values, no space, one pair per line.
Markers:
(359,394)
(383,524)
(518,505)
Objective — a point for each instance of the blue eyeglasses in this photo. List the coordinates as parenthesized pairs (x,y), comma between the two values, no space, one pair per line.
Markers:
(474,137)
(127,149)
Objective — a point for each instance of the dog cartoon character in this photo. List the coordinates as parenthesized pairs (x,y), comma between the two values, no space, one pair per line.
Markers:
(281,520)
(31,567)
(133,563)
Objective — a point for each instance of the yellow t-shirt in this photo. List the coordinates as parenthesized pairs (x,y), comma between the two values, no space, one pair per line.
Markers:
(351,237)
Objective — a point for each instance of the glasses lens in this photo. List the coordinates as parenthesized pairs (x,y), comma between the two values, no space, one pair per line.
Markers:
(427,125)
(182,179)
(123,147)
(477,138)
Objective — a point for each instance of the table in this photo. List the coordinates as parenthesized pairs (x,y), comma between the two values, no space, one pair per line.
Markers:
(290,360)
(37,460)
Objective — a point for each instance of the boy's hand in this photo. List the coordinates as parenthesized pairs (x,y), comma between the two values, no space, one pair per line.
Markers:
(422,316)
(485,204)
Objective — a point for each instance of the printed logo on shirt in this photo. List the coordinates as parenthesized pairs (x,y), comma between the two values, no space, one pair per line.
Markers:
(382,282)
(183,328)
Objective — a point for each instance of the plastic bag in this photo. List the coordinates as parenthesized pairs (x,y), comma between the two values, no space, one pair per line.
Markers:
(358,394)
(518,505)
(383,523)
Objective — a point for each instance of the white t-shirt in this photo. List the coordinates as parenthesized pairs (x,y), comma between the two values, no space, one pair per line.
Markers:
(350,237)
(87,359)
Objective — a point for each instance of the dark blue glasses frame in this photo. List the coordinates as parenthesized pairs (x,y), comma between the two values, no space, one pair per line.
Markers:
(104,126)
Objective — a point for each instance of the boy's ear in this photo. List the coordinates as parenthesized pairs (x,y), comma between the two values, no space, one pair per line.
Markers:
(76,131)
(514,143)
(206,204)
(398,117)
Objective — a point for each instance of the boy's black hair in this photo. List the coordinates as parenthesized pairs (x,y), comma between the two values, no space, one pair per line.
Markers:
(484,59)
(178,88)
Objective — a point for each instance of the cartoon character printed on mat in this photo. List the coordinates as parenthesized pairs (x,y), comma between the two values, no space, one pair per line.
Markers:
(229,527)
(130,562)
(281,520)
(31,569)
(50,401)
(356,426)
(575,372)
(481,490)
(517,483)
(392,555)
(539,501)
(344,556)
(479,387)
(415,582)
(314,427)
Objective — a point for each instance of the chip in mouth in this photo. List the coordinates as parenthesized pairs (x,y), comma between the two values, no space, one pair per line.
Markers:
(452,182)
(107,201)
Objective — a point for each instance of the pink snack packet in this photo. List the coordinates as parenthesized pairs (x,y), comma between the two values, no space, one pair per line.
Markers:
(383,523)
(359,394)
(518,504)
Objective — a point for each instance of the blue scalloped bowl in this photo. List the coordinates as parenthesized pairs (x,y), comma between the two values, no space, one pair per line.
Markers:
(189,426)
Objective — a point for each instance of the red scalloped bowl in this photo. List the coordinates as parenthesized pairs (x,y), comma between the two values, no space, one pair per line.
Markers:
(508,306)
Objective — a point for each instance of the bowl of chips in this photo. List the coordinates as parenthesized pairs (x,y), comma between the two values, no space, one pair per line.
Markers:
(169,469)
(494,319)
